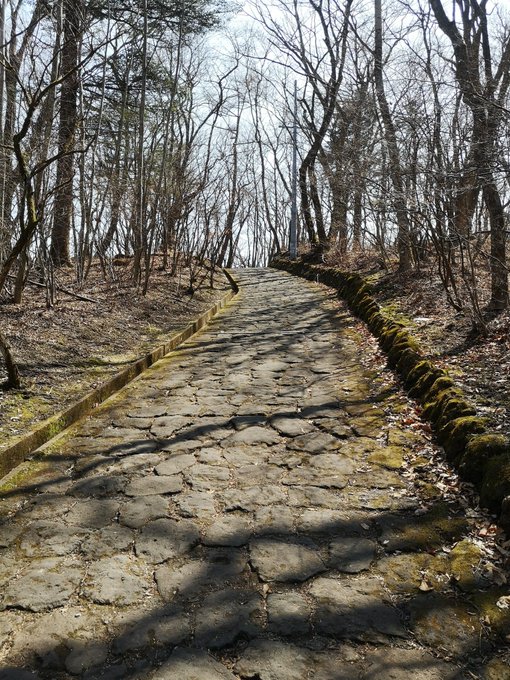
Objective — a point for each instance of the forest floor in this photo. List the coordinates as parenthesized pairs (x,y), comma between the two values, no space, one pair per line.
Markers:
(479,363)
(65,350)
(68,349)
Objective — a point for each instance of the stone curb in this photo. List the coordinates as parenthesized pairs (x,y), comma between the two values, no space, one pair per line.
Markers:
(16,453)
(480,456)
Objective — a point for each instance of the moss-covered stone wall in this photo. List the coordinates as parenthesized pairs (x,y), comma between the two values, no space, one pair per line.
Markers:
(481,457)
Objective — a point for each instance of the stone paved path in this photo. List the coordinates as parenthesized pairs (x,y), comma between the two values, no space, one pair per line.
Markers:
(241,511)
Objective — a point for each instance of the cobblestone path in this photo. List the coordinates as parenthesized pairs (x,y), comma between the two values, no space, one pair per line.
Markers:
(243,511)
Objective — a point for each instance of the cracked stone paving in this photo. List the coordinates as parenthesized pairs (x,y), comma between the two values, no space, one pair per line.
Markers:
(242,511)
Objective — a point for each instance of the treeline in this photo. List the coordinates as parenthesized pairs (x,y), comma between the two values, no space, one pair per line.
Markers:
(109,142)
(165,126)
(404,134)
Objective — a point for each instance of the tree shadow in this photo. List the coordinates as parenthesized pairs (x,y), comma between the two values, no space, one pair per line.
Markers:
(175,592)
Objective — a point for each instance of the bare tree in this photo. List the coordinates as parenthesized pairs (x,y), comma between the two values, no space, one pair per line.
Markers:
(484,86)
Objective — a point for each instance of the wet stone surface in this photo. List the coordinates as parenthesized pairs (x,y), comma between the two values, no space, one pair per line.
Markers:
(243,511)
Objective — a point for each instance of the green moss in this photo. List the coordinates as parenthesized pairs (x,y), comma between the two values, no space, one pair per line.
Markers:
(376,323)
(479,450)
(388,334)
(422,367)
(428,490)
(457,433)
(402,342)
(434,409)
(498,619)
(403,574)
(496,482)
(363,293)
(393,312)
(367,308)
(465,562)
(456,407)
(426,531)
(440,384)
(390,457)
(408,360)
(16,479)
(424,383)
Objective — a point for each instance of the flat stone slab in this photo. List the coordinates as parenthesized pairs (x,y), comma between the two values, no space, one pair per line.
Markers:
(148,411)
(441,622)
(115,580)
(196,504)
(351,555)
(252,436)
(91,513)
(252,498)
(175,464)
(331,523)
(314,442)
(288,614)
(137,512)
(402,664)
(164,627)
(225,615)
(335,426)
(307,476)
(99,486)
(203,477)
(255,475)
(211,455)
(229,530)
(164,539)
(404,574)
(238,456)
(309,496)
(47,538)
(291,427)
(85,656)
(192,664)
(243,422)
(60,640)
(284,561)
(166,426)
(355,610)
(192,579)
(378,478)
(273,660)
(154,485)
(44,585)
(107,541)
(274,519)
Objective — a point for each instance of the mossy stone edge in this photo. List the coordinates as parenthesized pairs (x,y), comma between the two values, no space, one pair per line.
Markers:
(481,457)
(22,447)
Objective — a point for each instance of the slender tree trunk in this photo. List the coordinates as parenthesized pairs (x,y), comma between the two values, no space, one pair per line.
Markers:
(13,379)
(139,221)
(63,207)
(499,271)
(394,166)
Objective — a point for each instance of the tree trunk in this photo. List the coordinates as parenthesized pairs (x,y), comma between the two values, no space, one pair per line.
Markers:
(471,46)
(499,272)
(394,166)
(63,207)
(13,379)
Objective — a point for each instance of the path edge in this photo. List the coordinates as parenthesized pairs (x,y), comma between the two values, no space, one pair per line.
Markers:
(480,456)
(17,452)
